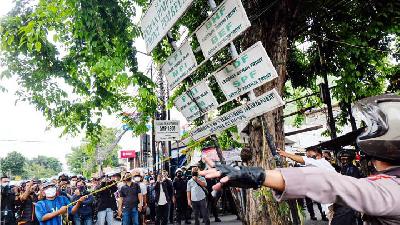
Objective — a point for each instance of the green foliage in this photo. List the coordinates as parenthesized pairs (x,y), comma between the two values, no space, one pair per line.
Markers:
(84,159)
(355,41)
(74,60)
(50,163)
(13,164)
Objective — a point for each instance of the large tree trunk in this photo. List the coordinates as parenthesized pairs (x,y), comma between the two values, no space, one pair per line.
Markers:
(272,29)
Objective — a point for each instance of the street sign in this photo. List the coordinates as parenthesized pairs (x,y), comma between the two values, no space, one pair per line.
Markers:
(227,22)
(159,19)
(167,130)
(262,104)
(127,154)
(197,101)
(251,69)
(179,65)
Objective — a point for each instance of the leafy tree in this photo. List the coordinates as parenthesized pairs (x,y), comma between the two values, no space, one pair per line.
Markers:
(13,164)
(74,61)
(49,163)
(84,159)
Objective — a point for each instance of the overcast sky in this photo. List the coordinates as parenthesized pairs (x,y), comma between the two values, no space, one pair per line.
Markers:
(23,129)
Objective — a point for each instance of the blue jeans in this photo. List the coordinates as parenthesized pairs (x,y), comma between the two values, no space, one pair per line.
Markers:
(105,215)
(130,217)
(83,220)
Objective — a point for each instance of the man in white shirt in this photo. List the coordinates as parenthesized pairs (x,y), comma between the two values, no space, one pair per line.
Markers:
(164,195)
(313,158)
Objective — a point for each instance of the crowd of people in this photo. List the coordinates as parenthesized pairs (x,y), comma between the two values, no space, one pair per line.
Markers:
(127,198)
(341,190)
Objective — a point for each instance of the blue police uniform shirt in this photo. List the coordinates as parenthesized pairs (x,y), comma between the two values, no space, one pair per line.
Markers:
(48,206)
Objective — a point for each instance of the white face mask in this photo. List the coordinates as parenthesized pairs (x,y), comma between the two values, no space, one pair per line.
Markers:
(50,192)
(137,179)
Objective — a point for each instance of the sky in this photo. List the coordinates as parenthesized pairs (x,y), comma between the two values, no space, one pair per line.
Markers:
(25,130)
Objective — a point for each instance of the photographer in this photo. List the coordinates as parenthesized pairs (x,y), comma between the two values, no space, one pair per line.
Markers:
(84,215)
(196,196)
(27,200)
(7,203)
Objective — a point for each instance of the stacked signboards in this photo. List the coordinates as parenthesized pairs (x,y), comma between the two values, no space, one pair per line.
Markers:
(249,70)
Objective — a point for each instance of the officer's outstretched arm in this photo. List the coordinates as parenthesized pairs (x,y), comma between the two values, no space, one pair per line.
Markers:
(372,197)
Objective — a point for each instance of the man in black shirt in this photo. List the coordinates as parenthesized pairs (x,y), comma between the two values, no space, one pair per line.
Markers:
(106,202)
(27,200)
(180,198)
(7,203)
(130,201)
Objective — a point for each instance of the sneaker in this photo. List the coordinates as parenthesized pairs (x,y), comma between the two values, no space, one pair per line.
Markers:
(217,220)
(324,218)
(188,222)
(314,218)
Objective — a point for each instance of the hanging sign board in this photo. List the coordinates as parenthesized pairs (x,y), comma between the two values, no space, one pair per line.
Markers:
(249,70)
(227,22)
(179,65)
(159,19)
(262,104)
(197,101)
(167,130)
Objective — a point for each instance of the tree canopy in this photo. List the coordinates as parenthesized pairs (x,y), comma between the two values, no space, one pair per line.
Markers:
(75,60)
(15,164)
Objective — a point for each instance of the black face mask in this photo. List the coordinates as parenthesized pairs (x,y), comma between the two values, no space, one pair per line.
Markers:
(179,175)
(195,174)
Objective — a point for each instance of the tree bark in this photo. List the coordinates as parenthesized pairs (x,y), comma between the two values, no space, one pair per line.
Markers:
(272,30)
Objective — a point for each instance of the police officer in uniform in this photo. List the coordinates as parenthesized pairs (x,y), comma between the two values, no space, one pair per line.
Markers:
(376,197)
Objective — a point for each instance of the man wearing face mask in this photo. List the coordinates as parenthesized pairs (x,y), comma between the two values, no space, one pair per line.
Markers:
(313,158)
(50,210)
(196,196)
(84,216)
(7,203)
(180,197)
(138,178)
(343,214)
(151,197)
(164,195)
(130,201)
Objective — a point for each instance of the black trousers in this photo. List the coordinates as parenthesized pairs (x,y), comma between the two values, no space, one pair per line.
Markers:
(152,207)
(212,202)
(162,214)
(181,209)
(200,207)
(310,207)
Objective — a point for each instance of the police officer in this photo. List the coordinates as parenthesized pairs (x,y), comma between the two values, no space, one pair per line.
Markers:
(377,197)
(343,214)
(7,202)
(346,158)
(180,198)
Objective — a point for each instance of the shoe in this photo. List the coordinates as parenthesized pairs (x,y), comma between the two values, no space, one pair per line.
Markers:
(314,218)
(188,222)
(217,220)
(324,218)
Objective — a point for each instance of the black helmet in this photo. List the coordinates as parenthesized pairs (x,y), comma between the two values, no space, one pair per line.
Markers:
(381,138)
(350,154)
